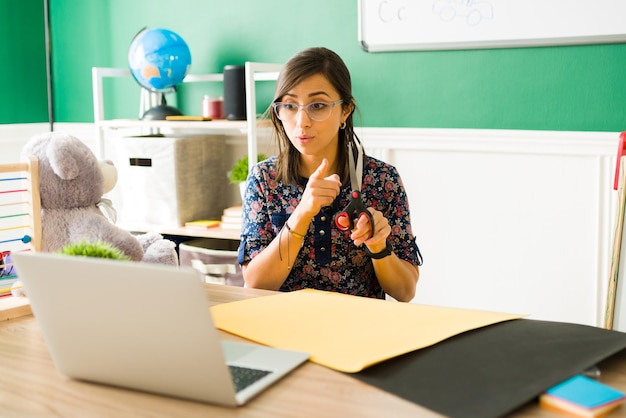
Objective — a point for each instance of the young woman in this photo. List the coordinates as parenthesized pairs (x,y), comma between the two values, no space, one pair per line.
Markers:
(292,237)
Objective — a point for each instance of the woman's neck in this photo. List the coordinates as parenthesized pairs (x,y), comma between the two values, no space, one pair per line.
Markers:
(310,163)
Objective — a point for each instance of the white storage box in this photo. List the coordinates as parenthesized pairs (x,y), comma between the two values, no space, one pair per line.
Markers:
(215,258)
(168,181)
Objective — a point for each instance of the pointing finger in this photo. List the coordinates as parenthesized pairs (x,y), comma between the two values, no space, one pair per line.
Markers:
(320,171)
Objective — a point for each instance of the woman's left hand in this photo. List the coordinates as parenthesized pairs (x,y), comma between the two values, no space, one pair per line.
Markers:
(396,276)
(362,231)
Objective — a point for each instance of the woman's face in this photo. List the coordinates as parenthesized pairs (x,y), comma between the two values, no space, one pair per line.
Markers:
(312,138)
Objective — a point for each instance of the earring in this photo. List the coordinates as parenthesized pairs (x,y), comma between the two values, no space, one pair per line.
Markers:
(343,125)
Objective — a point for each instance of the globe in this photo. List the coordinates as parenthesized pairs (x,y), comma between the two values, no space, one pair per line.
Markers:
(159,60)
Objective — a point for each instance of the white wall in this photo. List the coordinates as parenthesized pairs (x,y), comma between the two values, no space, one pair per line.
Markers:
(13,137)
(515,221)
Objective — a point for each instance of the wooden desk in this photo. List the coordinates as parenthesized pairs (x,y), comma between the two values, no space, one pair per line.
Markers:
(32,387)
(217,232)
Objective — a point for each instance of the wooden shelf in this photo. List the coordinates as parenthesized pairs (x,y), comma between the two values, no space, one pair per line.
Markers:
(218,126)
(222,126)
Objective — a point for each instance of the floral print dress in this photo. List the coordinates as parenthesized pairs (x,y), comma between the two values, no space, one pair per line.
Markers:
(328,260)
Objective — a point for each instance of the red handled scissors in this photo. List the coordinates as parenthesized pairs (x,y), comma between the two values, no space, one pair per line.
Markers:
(355,207)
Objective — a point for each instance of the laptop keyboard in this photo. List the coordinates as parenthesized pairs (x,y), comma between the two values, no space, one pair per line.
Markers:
(244,376)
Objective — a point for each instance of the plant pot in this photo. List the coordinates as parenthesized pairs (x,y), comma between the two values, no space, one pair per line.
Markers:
(242,190)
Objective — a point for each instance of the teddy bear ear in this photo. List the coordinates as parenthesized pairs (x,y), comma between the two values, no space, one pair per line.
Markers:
(65,153)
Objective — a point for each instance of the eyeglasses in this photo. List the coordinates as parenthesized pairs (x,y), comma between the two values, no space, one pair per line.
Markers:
(317,111)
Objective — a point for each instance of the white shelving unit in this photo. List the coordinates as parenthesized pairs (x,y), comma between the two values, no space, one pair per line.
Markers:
(254,72)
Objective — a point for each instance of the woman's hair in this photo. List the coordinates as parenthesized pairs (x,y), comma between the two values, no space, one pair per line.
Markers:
(304,64)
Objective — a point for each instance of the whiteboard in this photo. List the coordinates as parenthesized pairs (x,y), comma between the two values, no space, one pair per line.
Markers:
(404,25)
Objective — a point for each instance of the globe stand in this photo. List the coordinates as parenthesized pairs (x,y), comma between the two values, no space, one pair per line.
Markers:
(160,112)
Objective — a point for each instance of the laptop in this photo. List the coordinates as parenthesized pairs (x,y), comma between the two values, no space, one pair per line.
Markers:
(143,326)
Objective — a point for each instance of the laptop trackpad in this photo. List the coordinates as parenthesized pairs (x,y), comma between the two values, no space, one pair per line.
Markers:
(234,351)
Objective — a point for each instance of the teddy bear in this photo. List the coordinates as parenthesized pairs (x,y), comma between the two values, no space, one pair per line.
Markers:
(72,182)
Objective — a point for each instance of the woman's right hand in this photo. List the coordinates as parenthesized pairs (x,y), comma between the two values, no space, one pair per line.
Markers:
(321,190)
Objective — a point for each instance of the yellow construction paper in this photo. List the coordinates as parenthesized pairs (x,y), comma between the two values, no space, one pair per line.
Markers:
(343,332)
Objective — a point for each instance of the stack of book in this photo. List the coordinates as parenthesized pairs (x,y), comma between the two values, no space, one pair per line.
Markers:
(231,218)
(583,397)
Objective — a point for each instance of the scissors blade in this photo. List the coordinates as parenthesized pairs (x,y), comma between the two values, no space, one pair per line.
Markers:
(356,172)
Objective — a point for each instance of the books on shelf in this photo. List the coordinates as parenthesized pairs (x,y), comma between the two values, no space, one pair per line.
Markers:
(231,218)
(583,397)
(203,223)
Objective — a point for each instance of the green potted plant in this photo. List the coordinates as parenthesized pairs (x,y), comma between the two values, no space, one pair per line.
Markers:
(239,172)
(98,249)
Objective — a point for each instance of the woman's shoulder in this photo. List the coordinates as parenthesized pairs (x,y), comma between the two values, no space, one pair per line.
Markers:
(375,164)
(266,166)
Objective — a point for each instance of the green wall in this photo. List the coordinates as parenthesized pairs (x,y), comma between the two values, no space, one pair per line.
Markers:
(23,70)
(578,88)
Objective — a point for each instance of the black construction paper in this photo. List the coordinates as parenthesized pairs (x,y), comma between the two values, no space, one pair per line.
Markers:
(491,371)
